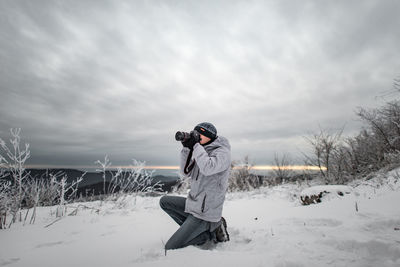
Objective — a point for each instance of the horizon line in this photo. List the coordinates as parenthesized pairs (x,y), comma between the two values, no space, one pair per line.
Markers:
(173,167)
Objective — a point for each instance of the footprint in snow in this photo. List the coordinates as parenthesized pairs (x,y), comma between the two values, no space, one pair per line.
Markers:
(9,261)
(50,244)
(150,255)
(237,237)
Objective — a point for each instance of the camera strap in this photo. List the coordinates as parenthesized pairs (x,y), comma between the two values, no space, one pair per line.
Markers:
(188,168)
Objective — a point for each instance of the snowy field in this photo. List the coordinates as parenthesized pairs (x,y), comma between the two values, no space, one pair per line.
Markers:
(268,227)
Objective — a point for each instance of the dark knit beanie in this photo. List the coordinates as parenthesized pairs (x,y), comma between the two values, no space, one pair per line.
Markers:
(207,129)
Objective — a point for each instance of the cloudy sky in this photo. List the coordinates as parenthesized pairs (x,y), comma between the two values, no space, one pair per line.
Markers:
(88,78)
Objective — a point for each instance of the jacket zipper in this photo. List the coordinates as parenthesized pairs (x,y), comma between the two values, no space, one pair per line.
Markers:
(198,172)
(204,203)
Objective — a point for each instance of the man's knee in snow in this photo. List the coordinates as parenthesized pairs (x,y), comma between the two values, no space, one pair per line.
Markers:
(163,201)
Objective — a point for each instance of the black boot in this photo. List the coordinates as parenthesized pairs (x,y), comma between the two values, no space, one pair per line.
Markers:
(221,232)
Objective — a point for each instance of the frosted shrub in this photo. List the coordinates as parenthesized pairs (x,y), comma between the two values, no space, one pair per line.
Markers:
(132,180)
(4,202)
(66,193)
(241,177)
(393,158)
(4,188)
(3,163)
(135,179)
(49,195)
(183,184)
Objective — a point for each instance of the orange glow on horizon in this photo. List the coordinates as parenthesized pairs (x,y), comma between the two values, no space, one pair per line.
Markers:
(292,167)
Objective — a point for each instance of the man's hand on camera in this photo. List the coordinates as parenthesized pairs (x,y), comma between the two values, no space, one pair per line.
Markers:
(194,138)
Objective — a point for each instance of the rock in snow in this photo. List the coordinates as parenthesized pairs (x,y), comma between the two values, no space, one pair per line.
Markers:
(314,194)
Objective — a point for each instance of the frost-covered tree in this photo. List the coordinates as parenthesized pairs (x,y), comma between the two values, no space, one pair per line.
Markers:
(376,146)
(104,166)
(378,143)
(282,170)
(324,149)
(4,192)
(15,157)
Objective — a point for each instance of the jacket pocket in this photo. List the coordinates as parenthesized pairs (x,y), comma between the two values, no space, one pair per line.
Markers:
(203,205)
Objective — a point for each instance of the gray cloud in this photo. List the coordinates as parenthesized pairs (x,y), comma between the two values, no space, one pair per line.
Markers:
(119,78)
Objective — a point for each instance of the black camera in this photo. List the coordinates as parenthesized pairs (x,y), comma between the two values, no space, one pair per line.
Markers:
(184,136)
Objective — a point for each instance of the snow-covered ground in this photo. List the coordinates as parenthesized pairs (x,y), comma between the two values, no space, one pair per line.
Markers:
(268,227)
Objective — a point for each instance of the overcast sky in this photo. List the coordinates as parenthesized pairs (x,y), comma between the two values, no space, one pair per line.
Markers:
(88,78)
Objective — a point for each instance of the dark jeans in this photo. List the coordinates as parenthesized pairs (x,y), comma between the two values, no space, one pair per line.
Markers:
(192,231)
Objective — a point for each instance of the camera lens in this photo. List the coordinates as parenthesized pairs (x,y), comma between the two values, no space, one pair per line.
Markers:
(179,136)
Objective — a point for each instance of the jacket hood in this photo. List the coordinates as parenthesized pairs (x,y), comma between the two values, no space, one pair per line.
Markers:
(220,141)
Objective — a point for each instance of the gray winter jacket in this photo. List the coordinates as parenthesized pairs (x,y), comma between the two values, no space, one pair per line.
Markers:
(209,178)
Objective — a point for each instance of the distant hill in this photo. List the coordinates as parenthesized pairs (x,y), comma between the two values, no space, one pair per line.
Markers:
(97,189)
(93,181)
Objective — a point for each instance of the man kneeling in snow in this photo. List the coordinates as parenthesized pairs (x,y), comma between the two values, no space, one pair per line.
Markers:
(206,160)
